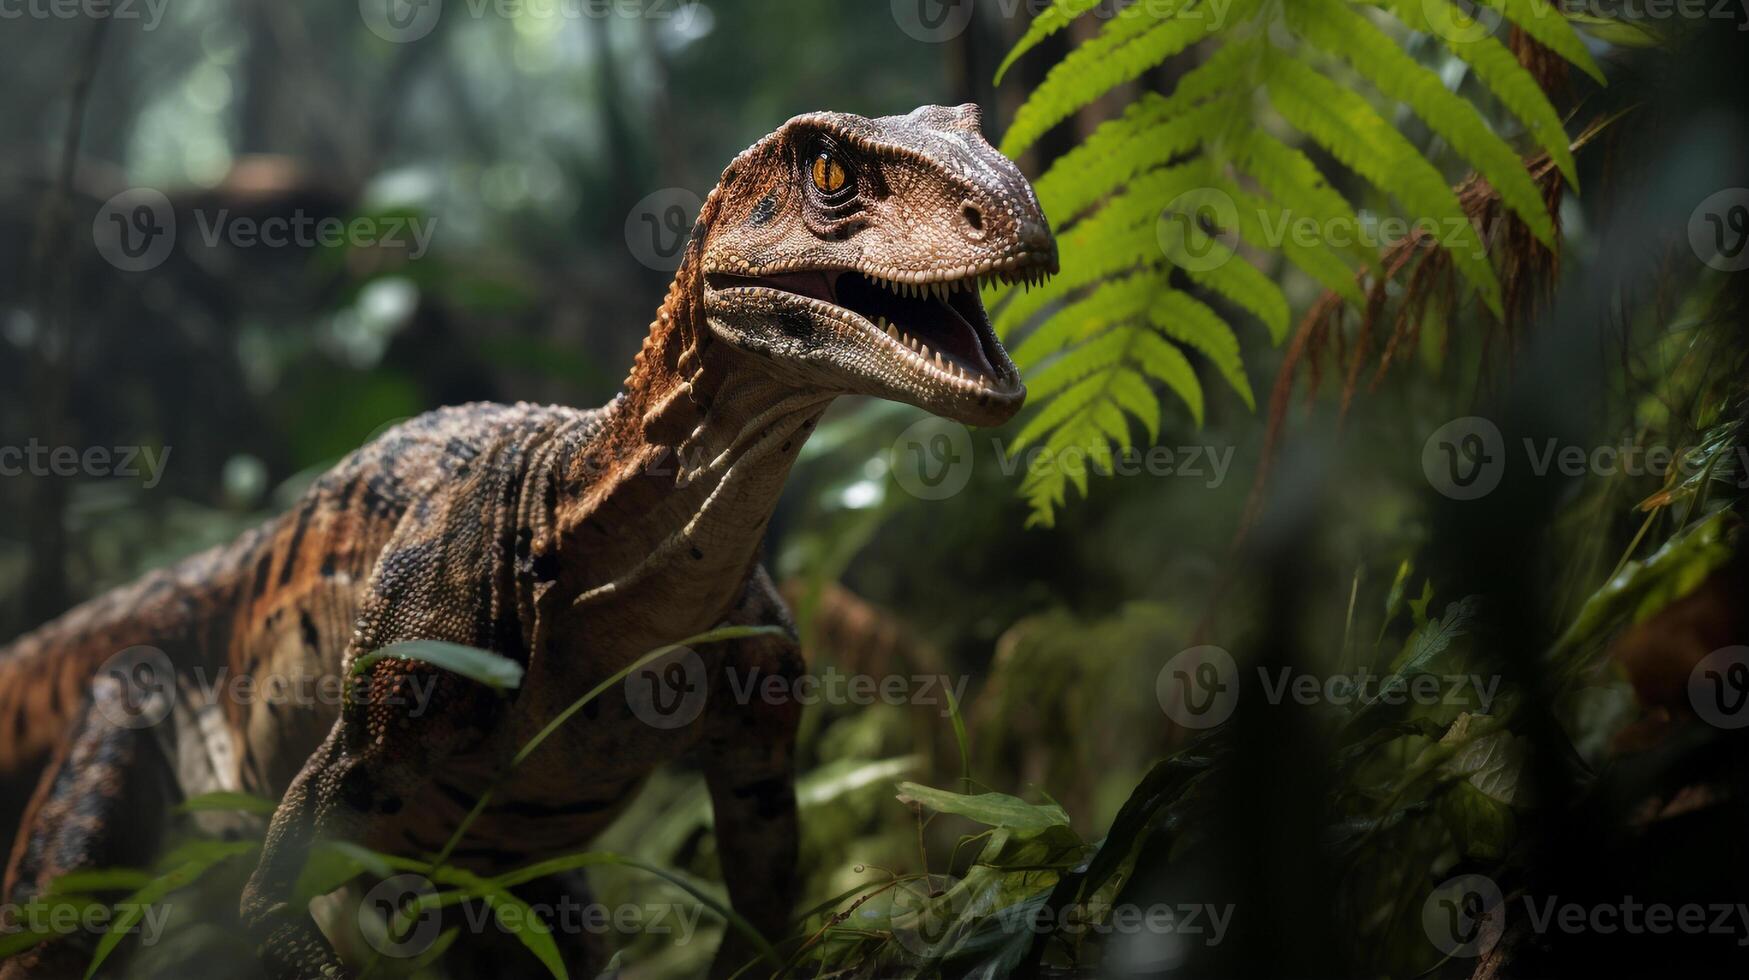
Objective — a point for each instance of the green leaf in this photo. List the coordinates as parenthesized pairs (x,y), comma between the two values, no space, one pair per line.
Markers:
(959,734)
(1481,826)
(100,880)
(227,801)
(482,666)
(1493,764)
(686,883)
(1642,588)
(991,809)
(130,910)
(536,936)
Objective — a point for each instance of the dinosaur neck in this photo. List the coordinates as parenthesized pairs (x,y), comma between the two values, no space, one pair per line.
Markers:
(674,493)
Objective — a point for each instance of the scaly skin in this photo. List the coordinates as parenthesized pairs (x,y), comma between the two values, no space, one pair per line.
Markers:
(836,256)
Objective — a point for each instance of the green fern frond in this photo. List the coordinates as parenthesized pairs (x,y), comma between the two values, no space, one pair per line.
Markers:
(1551,29)
(1049,21)
(1200,187)
(1322,263)
(1354,133)
(1148,135)
(1335,27)
(1191,322)
(1168,365)
(1496,68)
(1094,357)
(1128,391)
(1137,39)
(1251,290)
(1119,236)
(1059,410)
(1111,303)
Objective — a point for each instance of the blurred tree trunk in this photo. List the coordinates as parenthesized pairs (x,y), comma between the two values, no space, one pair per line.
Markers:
(45,590)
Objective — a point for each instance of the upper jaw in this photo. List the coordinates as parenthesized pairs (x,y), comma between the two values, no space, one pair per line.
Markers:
(928,325)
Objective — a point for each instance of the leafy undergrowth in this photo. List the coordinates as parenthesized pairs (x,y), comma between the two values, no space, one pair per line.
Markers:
(1416,789)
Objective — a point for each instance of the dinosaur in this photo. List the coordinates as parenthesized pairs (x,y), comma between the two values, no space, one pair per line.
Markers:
(839,255)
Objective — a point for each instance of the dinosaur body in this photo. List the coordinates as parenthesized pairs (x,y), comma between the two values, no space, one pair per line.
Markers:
(829,259)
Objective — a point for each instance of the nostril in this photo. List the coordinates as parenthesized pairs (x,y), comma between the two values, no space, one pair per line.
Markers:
(973,216)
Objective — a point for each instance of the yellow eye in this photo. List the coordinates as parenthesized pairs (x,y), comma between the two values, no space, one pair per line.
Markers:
(829,175)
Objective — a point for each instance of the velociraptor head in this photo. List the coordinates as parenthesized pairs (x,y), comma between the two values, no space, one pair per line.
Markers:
(849,250)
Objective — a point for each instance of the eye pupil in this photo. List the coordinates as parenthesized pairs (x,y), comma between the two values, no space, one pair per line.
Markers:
(829,175)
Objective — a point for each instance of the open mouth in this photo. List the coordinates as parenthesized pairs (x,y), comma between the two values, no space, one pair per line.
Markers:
(940,326)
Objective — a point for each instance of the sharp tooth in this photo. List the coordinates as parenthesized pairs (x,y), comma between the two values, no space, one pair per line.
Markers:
(924,351)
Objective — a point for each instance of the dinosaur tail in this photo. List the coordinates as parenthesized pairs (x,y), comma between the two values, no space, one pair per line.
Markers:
(45,674)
